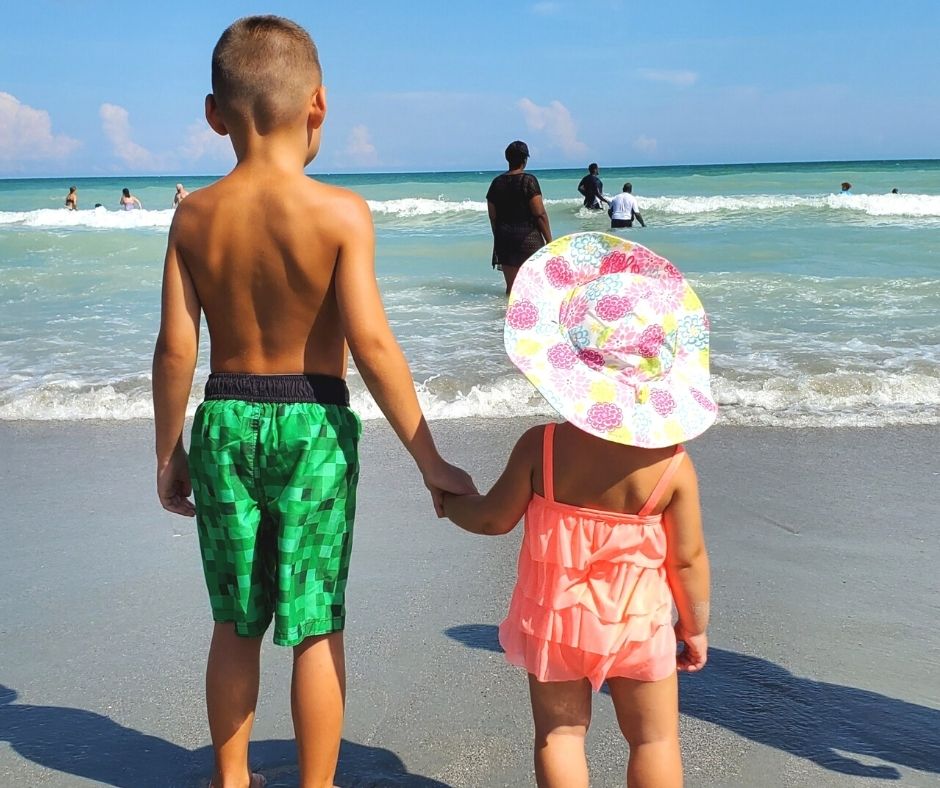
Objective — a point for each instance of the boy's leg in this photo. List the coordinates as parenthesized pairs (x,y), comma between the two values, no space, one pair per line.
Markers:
(648,714)
(318,696)
(561,711)
(231,695)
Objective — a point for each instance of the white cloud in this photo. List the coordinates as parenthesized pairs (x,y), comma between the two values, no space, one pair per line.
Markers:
(645,144)
(201,142)
(676,77)
(26,133)
(359,147)
(545,8)
(116,126)
(556,122)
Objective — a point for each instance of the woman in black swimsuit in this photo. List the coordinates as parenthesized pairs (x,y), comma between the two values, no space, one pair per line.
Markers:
(517,214)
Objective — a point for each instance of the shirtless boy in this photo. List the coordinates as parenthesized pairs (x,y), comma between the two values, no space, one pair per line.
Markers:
(283,268)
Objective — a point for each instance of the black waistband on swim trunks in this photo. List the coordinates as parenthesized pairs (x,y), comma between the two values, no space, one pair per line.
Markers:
(321,389)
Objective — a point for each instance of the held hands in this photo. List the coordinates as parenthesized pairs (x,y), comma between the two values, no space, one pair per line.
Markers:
(695,651)
(442,477)
(174,486)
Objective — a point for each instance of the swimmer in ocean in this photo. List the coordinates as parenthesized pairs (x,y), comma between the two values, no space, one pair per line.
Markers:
(129,202)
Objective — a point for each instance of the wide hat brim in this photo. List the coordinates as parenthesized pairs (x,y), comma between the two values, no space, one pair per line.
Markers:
(587,273)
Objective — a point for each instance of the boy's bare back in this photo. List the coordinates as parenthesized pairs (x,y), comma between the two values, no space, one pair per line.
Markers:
(261,248)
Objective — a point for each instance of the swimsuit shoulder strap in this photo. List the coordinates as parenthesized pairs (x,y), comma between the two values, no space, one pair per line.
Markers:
(663,482)
(548,462)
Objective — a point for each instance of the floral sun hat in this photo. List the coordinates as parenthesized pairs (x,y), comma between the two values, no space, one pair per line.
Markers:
(614,337)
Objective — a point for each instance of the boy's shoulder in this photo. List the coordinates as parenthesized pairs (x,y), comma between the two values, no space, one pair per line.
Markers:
(328,205)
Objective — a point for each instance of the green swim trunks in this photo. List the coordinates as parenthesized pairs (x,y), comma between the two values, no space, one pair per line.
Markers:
(274,467)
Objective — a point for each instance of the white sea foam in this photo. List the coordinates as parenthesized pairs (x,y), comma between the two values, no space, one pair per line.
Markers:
(831,399)
(97,218)
(876,205)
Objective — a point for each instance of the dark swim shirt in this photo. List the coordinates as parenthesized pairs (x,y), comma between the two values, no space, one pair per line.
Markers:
(592,188)
(516,236)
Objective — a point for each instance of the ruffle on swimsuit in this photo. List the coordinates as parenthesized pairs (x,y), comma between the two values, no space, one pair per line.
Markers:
(591,599)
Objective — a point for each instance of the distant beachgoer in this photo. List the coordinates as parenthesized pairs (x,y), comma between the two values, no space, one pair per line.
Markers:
(71,199)
(613,526)
(181,194)
(895,191)
(592,189)
(846,187)
(624,209)
(129,202)
(98,205)
(517,214)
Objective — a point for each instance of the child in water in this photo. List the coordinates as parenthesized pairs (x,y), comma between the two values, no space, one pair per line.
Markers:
(616,340)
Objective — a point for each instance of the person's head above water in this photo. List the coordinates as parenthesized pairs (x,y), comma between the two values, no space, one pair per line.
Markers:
(265,74)
(846,186)
(628,187)
(517,154)
(72,190)
(126,192)
(592,168)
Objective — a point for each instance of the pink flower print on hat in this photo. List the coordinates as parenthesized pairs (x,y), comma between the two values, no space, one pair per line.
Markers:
(573,312)
(651,340)
(671,271)
(614,263)
(605,416)
(612,307)
(591,358)
(559,273)
(522,315)
(702,400)
(642,261)
(663,402)
(561,356)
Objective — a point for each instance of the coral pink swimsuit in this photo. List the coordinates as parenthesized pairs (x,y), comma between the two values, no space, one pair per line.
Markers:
(591,599)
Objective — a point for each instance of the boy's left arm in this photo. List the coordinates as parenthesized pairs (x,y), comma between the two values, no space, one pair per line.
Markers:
(502,507)
(174,363)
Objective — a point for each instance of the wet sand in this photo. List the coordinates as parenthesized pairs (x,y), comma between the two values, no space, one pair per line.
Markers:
(825,660)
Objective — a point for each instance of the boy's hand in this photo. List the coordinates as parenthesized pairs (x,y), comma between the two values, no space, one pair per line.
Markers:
(442,477)
(695,654)
(174,486)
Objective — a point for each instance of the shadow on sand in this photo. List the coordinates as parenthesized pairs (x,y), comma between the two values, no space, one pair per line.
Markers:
(89,745)
(821,722)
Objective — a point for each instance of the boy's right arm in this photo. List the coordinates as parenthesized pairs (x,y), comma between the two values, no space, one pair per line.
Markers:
(687,567)
(378,357)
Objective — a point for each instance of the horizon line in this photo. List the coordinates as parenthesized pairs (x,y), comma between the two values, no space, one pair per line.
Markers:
(481,171)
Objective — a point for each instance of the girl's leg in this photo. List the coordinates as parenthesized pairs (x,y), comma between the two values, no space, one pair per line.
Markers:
(318,696)
(648,713)
(562,713)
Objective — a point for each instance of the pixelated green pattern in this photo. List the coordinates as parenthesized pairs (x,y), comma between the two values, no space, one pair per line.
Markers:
(275,491)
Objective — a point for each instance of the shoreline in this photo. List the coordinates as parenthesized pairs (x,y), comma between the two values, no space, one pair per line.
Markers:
(823,649)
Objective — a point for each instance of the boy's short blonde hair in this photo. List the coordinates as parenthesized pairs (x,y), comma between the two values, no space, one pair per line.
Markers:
(265,68)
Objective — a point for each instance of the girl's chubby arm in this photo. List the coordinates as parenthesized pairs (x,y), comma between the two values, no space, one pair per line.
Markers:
(687,567)
(502,507)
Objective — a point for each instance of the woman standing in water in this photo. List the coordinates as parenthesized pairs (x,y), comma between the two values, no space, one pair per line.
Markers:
(128,201)
(517,214)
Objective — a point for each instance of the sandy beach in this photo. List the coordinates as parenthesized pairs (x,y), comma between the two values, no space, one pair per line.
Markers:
(825,660)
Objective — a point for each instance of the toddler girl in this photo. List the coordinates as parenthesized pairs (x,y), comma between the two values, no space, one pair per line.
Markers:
(616,341)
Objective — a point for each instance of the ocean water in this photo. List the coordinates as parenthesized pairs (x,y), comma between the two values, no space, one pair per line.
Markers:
(825,308)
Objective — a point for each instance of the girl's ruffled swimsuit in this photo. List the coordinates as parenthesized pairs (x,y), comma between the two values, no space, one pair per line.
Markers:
(591,599)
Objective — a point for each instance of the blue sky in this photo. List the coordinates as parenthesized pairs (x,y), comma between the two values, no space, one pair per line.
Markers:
(117,87)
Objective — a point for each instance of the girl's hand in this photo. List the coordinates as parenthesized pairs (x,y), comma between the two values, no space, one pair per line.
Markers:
(442,477)
(693,656)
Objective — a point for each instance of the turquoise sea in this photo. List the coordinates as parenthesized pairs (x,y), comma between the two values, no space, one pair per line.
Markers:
(825,308)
